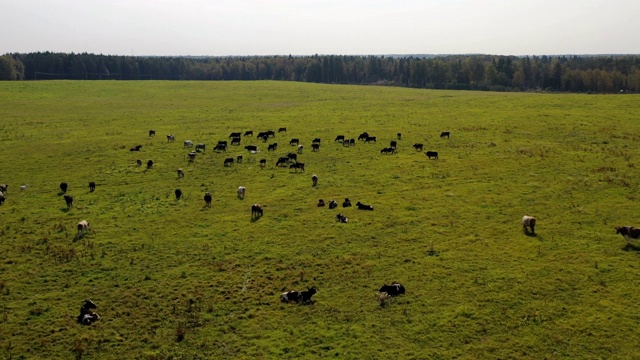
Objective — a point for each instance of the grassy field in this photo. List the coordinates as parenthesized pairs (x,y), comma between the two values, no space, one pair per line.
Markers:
(175,280)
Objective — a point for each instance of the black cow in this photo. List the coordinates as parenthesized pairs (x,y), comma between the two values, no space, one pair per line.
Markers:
(284,161)
(315,147)
(370,139)
(220,147)
(321,203)
(235,141)
(256,211)
(388,150)
(394,289)
(352,142)
(399,135)
(180,173)
(68,199)
(316,140)
(248,133)
(201,147)
(223,142)
(228,161)
(294,142)
(342,219)
(346,202)
(263,163)
(292,156)
(262,133)
(87,316)
(339,138)
(139,162)
(207,198)
(272,147)
(393,144)
(363,136)
(178,193)
(149,164)
(362,206)
(628,232)
(152,133)
(303,297)
(235,134)
(432,154)
(264,137)
(445,134)
(63,187)
(271,133)
(2,199)
(346,142)
(92,186)
(192,156)
(297,166)
(251,148)
(282,129)
(333,204)
(239,159)
(418,146)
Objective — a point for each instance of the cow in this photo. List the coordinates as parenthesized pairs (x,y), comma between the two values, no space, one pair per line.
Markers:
(83,227)
(201,147)
(362,206)
(339,138)
(315,147)
(292,156)
(178,194)
(188,143)
(87,315)
(68,199)
(235,141)
(220,147)
(235,134)
(248,133)
(180,173)
(342,219)
(92,186)
(394,289)
(192,156)
(352,142)
(628,232)
(271,133)
(3,188)
(432,154)
(264,138)
(139,162)
(228,161)
(290,296)
(282,129)
(22,187)
(149,164)
(239,159)
(314,179)
(445,134)
(2,199)
(152,133)
(241,191)
(333,204)
(170,138)
(138,147)
(294,142)
(363,136)
(263,163)
(418,146)
(529,222)
(223,142)
(393,144)
(207,199)
(282,161)
(370,139)
(321,203)
(388,150)
(300,148)
(256,211)
(399,136)
(262,134)
(316,140)
(346,142)
(63,187)
(272,147)
(297,166)
(302,297)
(251,148)
(346,203)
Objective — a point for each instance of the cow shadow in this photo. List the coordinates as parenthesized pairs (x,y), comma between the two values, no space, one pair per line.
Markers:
(631,247)
(255,218)
(529,233)
(65,209)
(60,193)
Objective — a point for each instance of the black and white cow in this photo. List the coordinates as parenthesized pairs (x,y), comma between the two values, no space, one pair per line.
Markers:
(235,141)
(170,138)
(339,138)
(87,315)
(180,173)
(152,133)
(297,166)
(235,134)
(342,219)
(333,204)
(282,129)
(241,192)
(315,147)
(188,143)
(248,133)
(362,206)
(346,202)
(201,147)
(263,163)
(314,179)
(83,227)
(302,297)
(529,222)
(256,211)
(432,154)
(228,161)
(294,142)
(446,134)
(394,289)
(628,232)
(363,136)
(370,139)
(418,146)
(272,147)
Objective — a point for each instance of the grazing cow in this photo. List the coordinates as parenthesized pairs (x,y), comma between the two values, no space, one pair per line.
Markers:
(92,186)
(294,142)
(393,144)
(239,159)
(316,140)
(149,164)
(264,138)
(529,222)
(333,204)
(346,142)
(235,134)
(282,129)
(251,148)
(629,232)
(138,147)
(315,147)
(170,138)
(87,315)
(362,206)
(445,134)
(271,133)
(432,154)
(370,139)
(139,162)
(341,218)
(418,146)
(307,294)
(83,227)
(63,187)
(394,289)
(248,133)
(263,133)
(346,202)
(207,199)
(292,156)
(302,297)
(256,211)
(22,187)
(220,147)
(339,138)
(235,141)
(3,188)
(352,142)
(282,161)
(152,133)
(180,173)
(192,156)
(399,135)
(363,136)
(314,179)
(388,150)
(272,147)
(297,166)
(68,199)
(321,203)
(200,147)
(188,143)
(241,191)
(263,163)
(300,148)
(178,193)
(228,161)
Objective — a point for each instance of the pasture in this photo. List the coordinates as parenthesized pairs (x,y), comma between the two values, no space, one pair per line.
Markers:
(173,279)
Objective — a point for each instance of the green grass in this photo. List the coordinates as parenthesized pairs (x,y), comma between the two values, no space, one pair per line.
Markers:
(175,280)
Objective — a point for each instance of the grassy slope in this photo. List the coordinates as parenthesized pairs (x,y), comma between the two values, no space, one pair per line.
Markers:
(156,267)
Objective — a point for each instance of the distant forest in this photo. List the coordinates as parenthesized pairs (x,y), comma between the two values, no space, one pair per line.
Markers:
(596,74)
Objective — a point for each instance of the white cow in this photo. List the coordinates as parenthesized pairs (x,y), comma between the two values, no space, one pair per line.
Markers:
(529,222)
(83,227)
(241,191)
(188,143)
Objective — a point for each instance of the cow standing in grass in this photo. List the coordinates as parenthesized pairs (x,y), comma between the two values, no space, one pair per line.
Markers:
(63,187)
(68,199)
(256,211)
(394,289)
(83,227)
(241,192)
(529,222)
(207,199)
(92,186)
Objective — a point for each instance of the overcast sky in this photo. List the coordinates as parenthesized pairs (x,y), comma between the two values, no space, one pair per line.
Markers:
(307,27)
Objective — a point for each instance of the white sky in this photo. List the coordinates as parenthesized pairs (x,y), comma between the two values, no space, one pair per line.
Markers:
(307,27)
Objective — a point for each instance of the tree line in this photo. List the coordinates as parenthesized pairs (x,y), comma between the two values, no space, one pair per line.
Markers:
(601,74)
